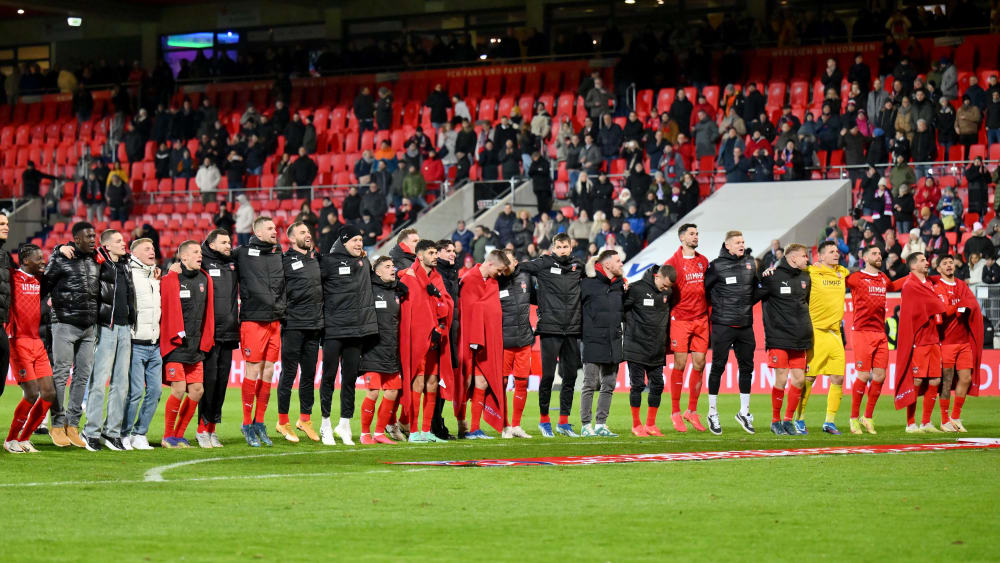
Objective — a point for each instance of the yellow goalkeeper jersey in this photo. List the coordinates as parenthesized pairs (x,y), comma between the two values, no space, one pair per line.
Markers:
(826,297)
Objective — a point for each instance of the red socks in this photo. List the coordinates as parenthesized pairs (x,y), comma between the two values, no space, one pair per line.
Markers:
(651,416)
(857,395)
(202,427)
(544,418)
(929,397)
(430,397)
(945,404)
(184,414)
(367,414)
(263,395)
(564,419)
(385,411)
(695,391)
(874,390)
(170,416)
(792,401)
(777,397)
(520,398)
(248,390)
(305,417)
(676,384)
(35,417)
(956,411)
(478,398)
(20,416)
(635,417)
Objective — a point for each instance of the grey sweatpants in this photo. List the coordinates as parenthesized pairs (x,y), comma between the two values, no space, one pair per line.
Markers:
(72,347)
(604,375)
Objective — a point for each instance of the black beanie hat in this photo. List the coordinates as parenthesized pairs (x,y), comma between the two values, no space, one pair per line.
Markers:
(347,232)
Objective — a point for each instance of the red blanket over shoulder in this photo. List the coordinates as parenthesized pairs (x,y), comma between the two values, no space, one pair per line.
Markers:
(420,314)
(482,325)
(919,307)
(172,317)
(974,319)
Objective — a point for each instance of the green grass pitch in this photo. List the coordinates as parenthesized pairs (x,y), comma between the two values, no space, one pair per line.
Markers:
(307,502)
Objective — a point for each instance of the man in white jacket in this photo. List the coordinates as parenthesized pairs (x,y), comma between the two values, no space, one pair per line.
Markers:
(244,220)
(207,179)
(145,377)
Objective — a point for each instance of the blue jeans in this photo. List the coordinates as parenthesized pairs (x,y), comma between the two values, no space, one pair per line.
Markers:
(112,359)
(145,379)
(992,136)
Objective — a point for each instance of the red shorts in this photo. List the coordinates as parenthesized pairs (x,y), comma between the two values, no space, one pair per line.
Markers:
(517,361)
(689,336)
(384,381)
(28,360)
(957,356)
(871,350)
(786,359)
(926,361)
(260,342)
(479,358)
(430,364)
(177,372)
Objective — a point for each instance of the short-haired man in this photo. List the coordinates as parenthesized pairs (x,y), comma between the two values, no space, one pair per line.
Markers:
(403,253)
(262,306)
(217,260)
(961,345)
(74,285)
(301,330)
(731,283)
(647,316)
(29,361)
(146,371)
(448,266)
(515,302)
(349,316)
(558,276)
(482,344)
(380,363)
(602,298)
(187,329)
(788,332)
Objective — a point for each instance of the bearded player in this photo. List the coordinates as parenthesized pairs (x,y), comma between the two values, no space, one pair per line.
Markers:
(961,343)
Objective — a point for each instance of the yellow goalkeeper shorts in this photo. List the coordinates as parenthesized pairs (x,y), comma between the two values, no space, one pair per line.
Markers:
(827,354)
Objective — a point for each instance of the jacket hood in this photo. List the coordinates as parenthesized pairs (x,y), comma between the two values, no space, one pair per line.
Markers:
(648,277)
(383,284)
(340,251)
(135,264)
(257,243)
(207,251)
(784,265)
(724,254)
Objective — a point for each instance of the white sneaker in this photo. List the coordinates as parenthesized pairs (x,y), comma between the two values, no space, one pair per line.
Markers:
(214,438)
(204,440)
(587,431)
(139,442)
(343,431)
(27,447)
(949,427)
(519,432)
(957,423)
(13,446)
(127,442)
(326,433)
(913,429)
(929,428)
(507,433)
(394,432)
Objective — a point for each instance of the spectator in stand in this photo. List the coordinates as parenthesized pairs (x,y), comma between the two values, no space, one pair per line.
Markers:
(439,103)
(901,173)
(598,100)
(655,145)
(938,244)
(281,117)
(489,163)
(295,132)
(949,79)
(462,235)
(923,147)
(681,111)
(923,107)
(927,221)
(993,119)
(905,122)
(761,124)
(504,225)
(671,164)
(831,76)
(859,72)
(510,162)
(236,170)
(853,143)
(383,109)
(541,123)
(753,104)
(603,195)
(31,180)
(224,218)
(364,166)
(373,203)
(414,187)
(364,110)
(432,169)
(589,128)
(979,243)
(254,156)
(303,172)
(207,180)
(731,140)
(738,168)
(632,154)
(541,182)
(503,133)
(610,138)
(309,136)
(706,133)
(991,271)
(763,165)
(581,193)
(590,156)
(405,214)
(913,244)
(967,120)
(877,98)
(787,135)
(978,178)
(638,181)
(633,131)
(928,194)
(119,198)
(460,110)
(976,94)
(791,162)
(579,230)
(350,208)
(827,129)
(880,208)
(370,231)
(869,183)
(732,120)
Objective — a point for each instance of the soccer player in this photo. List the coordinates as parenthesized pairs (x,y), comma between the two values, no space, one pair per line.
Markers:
(146,374)
(647,314)
(868,287)
(348,317)
(558,277)
(29,361)
(448,268)
(423,340)
(187,332)
(6,269)
(788,333)
(482,343)
(301,328)
(918,350)
(731,283)
(827,357)
(262,306)
(515,301)
(688,327)
(380,364)
(961,345)
(217,260)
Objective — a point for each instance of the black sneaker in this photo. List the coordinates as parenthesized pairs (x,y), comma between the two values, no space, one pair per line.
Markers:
(41,431)
(746,422)
(114,444)
(93,444)
(713,424)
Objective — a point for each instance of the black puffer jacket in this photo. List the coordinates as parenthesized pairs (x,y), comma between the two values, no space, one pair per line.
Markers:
(303,291)
(380,351)
(6,264)
(449,274)
(602,319)
(515,300)
(348,301)
(262,281)
(401,259)
(647,320)
(787,324)
(225,287)
(730,283)
(558,285)
(75,287)
(111,273)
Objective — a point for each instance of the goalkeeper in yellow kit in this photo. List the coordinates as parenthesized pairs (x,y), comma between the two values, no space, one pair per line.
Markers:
(826,307)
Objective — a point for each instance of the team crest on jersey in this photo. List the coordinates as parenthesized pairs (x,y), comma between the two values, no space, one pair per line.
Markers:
(916,370)
(574,267)
(170,371)
(774,359)
(232,267)
(673,342)
(664,298)
(857,365)
(524,287)
(22,372)
(749,267)
(803,284)
(246,351)
(201,287)
(359,263)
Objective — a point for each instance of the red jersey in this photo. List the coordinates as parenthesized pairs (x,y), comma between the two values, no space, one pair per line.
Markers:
(689,291)
(927,333)
(26,305)
(956,329)
(868,295)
